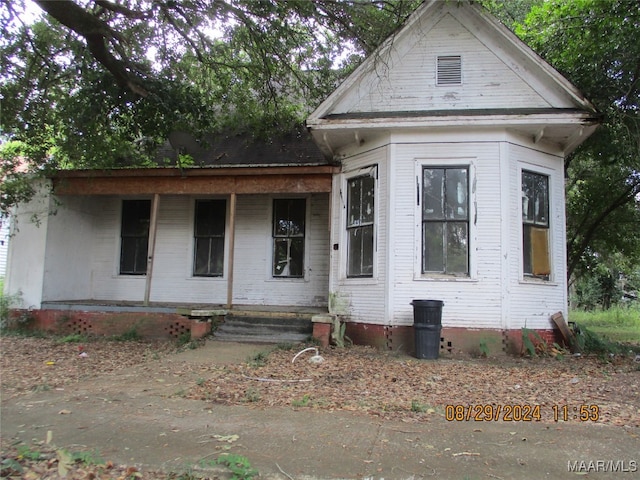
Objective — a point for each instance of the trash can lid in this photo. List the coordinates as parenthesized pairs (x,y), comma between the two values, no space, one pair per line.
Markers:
(427,303)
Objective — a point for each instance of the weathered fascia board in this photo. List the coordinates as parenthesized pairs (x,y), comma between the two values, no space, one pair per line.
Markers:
(382,121)
(240,180)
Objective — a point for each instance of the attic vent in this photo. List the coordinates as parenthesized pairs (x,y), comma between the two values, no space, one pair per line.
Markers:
(450,70)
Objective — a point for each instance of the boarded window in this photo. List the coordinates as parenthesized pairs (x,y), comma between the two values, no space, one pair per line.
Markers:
(445,220)
(449,70)
(288,237)
(360,222)
(208,242)
(535,228)
(134,236)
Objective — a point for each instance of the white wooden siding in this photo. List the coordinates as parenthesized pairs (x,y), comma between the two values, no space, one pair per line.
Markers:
(26,259)
(360,299)
(69,247)
(405,78)
(172,278)
(495,294)
(473,302)
(253,280)
(107,284)
(532,302)
(4,245)
(83,248)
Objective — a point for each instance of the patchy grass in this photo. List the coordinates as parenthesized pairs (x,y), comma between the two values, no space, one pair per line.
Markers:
(45,460)
(618,324)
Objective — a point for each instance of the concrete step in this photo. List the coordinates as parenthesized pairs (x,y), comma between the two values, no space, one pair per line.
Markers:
(271,329)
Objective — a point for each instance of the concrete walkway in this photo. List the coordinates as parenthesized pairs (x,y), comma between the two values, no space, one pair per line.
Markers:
(138,418)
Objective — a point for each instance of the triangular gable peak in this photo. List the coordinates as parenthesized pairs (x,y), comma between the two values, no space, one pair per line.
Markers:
(452,59)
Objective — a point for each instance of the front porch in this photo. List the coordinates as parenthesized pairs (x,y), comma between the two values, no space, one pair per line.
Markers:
(166,320)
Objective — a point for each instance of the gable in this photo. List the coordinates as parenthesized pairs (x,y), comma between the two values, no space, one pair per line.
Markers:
(500,82)
(498,70)
(406,80)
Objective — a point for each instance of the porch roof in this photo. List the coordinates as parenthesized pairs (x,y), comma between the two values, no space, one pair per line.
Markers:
(195,181)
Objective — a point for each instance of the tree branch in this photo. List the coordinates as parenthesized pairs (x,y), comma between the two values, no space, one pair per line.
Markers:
(122,10)
(576,251)
(97,34)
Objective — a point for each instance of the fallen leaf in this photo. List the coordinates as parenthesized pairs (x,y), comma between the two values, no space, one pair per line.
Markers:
(226,438)
(65,462)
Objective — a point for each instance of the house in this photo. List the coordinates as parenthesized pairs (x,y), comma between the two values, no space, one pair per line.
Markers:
(441,177)
(4,245)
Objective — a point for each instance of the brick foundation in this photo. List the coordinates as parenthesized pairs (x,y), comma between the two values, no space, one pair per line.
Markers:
(452,339)
(149,326)
(322,333)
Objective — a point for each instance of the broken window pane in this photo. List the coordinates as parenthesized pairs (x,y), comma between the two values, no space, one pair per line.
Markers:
(354,202)
(289,216)
(456,193)
(360,221)
(535,230)
(366,204)
(535,198)
(288,257)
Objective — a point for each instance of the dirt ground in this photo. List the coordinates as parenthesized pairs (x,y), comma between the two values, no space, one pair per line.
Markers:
(378,387)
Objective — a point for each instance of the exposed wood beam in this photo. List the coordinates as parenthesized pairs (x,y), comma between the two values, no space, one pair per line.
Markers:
(196,185)
(230,255)
(153,227)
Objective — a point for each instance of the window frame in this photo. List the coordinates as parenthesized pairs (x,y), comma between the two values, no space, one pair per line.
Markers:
(544,226)
(220,237)
(445,221)
(469,163)
(371,172)
(303,236)
(136,271)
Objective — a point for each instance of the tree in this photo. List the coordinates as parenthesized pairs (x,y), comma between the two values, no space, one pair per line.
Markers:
(99,83)
(596,44)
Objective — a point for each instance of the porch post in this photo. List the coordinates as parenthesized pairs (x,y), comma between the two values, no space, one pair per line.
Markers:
(232,237)
(153,225)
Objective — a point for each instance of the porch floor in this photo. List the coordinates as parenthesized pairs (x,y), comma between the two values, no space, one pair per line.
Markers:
(187,309)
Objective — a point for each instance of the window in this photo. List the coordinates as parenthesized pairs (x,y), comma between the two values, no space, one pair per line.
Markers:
(449,70)
(360,218)
(535,225)
(288,237)
(445,220)
(134,236)
(208,233)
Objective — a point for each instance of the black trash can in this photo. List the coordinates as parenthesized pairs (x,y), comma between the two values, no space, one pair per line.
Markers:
(427,340)
(427,325)
(427,311)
